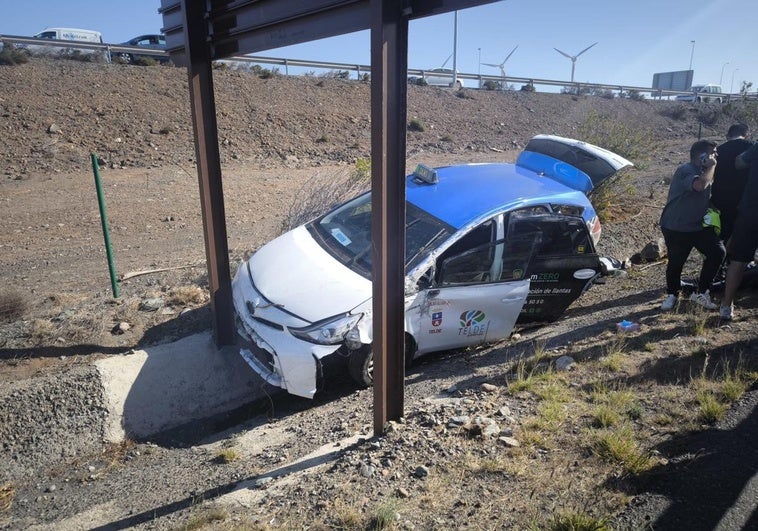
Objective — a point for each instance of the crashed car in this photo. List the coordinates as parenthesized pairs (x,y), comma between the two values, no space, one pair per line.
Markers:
(487,246)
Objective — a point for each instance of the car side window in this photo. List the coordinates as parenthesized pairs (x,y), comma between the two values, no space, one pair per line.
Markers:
(470,258)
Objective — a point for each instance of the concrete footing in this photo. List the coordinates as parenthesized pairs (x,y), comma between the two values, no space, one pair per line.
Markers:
(165,386)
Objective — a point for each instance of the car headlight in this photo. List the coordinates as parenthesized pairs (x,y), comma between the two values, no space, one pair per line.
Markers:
(329,331)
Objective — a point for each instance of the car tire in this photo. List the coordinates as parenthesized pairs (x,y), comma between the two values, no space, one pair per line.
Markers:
(360,363)
(126,58)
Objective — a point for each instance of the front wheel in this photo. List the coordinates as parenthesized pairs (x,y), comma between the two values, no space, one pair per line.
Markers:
(360,363)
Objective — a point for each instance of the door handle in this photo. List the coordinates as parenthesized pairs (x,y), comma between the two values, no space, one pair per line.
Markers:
(510,299)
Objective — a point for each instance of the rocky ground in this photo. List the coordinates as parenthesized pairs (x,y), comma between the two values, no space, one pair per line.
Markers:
(477,448)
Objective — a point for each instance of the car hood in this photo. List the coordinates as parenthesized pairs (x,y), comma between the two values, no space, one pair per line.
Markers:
(574,163)
(300,277)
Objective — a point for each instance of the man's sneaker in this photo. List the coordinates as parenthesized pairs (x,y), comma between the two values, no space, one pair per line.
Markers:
(704,300)
(669,302)
(726,313)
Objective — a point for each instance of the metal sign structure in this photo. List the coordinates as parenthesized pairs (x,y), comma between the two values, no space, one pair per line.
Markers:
(681,80)
(199,32)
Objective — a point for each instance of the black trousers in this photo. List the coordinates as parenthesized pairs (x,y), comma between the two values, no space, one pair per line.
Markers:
(680,245)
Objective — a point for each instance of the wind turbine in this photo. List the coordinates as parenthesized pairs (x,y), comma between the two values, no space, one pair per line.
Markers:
(502,65)
(573,58)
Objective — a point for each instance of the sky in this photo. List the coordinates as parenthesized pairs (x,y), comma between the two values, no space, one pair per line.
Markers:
(635,38)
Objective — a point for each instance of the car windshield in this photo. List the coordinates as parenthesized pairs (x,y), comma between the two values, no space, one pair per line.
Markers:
(346,234)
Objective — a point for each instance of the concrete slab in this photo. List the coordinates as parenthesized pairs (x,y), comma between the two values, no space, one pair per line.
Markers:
(165,386)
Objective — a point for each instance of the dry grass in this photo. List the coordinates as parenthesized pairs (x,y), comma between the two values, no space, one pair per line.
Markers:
(186,296)
(619,446)
(205,517)
(13,306)
(7,494)
(226,455)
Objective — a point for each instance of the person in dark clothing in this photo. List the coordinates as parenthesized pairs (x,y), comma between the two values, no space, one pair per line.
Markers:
(744,241)
(682,225)
(728,181)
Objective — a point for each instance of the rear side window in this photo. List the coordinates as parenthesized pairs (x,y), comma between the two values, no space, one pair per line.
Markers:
(595,167)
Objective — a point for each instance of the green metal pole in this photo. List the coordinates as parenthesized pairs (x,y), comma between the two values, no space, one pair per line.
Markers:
(104,221)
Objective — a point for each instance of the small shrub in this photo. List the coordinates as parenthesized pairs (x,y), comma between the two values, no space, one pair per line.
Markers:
(636,144)
(710,409)
(710,115)
(619,446)
(576,521)
(446,138)
(205,518)
(608,94)
(322,139)
(491,84)
(416,125)
(529,87)
(7,493)
(226,455)
(635,95)
(605,417)
(12,306)
(186,295)
(385,515)
(677,112)
(335,74)
(145,61)
(268,73)
(320,193)
(10,55)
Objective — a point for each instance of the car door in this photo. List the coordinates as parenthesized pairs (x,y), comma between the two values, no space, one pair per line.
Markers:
(478,290)
(564,265)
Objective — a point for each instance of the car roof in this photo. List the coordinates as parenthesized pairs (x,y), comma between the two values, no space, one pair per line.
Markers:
(469,192)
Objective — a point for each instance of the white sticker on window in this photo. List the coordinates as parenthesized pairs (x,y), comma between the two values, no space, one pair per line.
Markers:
(340,237)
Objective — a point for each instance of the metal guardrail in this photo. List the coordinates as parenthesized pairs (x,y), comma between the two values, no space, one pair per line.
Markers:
(359,69)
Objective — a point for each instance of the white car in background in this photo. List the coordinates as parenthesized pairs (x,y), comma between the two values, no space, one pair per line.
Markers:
(704,93)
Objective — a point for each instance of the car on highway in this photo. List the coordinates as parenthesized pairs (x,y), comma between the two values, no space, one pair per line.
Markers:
(149,42)
(487,246)
(705,93)
(82,36)
(442,77)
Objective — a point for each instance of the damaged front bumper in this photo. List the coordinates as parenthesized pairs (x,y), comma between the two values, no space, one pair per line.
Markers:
(268,347)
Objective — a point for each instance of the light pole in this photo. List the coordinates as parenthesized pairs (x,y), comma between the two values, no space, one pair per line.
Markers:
(721,77)
(692,54)
(455,52)
(731,85)
(479,70)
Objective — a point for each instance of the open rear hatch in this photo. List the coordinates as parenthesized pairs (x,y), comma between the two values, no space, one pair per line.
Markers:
(576,164)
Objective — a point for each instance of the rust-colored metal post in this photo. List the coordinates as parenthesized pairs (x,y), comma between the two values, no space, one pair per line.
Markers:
(203,106)
(389,66)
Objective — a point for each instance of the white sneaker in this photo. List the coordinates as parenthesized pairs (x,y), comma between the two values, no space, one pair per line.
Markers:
(726,313)
(704,300)
(669,302)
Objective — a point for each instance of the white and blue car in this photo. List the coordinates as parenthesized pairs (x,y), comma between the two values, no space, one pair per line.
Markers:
(487,246)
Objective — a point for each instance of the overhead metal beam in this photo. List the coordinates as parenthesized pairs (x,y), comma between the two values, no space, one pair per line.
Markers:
(203,104)
(389,65)
(238,27)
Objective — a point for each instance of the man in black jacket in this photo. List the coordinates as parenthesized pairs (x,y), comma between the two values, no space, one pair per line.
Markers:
(728,181)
